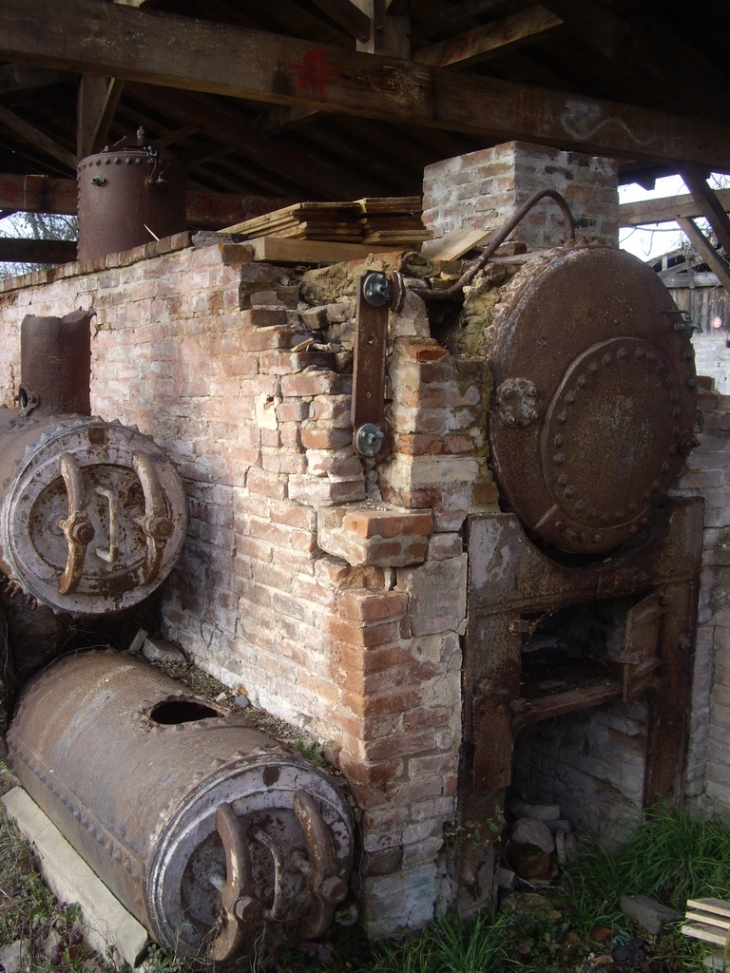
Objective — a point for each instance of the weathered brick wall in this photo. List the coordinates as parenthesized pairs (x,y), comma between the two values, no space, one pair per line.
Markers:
(483,189)
(708,473)
(340,613)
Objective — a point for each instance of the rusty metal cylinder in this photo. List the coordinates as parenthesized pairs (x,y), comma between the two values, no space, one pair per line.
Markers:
(128,195)
(92,514)
(55,364)
(207,830)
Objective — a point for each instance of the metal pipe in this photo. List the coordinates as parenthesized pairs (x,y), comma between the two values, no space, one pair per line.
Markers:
(455,291)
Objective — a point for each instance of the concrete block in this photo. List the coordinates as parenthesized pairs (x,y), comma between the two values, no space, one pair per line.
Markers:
(105,923)
(650,914)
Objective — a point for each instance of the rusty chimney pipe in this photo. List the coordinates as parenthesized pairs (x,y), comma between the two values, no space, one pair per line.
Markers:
(55,364)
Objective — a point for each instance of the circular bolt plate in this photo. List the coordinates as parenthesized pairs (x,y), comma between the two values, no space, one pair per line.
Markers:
(615,409)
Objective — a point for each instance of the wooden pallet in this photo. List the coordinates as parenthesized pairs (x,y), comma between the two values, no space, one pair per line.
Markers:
(709,920)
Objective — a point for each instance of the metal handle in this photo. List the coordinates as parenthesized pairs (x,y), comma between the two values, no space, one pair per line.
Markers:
(327,888)
(77,528)
(242,910)
(155,523)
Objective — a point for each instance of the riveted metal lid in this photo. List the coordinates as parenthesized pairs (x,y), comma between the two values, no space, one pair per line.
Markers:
(595,401)
(93,517)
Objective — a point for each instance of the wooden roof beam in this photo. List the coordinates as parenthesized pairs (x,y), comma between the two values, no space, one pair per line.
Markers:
(181,52)
(217,123)
(668,209)
(696,181)
(492,40)
(704,248)
(37,138)
(14,250)
(348,17)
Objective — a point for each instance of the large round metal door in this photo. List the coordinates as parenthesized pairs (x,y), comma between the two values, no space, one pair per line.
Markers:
(595,396)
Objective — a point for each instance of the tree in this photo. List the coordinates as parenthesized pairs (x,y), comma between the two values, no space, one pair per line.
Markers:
(35,226)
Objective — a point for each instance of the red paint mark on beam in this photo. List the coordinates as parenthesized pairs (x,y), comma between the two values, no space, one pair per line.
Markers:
(312,73)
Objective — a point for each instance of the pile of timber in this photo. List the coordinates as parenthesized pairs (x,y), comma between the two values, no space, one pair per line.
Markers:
(709,920)
(388,223)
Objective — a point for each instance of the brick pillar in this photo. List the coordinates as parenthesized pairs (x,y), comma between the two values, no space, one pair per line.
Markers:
(483,189)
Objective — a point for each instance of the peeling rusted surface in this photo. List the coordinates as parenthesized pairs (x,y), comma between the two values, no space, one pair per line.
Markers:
(597,397)
(648,591)
(141,801)
(55,364)
(93,515)
(129,195)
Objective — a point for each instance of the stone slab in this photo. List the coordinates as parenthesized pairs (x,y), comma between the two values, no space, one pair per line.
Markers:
(105,923)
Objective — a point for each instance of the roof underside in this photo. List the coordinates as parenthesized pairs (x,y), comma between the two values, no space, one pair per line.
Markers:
(244,119)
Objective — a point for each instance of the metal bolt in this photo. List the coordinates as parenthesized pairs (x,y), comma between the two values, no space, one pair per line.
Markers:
(376,289)
(369,439)
(98,180)
(83,532)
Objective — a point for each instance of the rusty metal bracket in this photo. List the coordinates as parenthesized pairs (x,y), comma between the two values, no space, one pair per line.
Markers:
(377,294)
(241,908)
(327,888)
(77,528)
(156,524)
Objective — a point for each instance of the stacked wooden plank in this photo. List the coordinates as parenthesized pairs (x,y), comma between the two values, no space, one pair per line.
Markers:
(387,223)
(709,920)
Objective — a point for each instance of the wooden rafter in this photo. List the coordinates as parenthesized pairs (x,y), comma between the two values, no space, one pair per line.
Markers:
(347,15)
(19,251)
(214,122)
(185,53)
(705,249)
(42,194)
(37,138)
(493,39)
(667,210)
(695,180)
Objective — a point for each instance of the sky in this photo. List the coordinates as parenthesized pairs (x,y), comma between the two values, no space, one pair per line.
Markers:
(653,242)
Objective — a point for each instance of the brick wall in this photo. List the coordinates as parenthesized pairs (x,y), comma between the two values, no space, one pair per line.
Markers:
(708,472)
(331,590)
(483,189)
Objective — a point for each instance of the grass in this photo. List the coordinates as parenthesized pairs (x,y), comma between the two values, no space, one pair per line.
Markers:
(572,927)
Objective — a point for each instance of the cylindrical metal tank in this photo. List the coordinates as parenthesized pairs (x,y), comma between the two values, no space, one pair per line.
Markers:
(204,828)
(128,195)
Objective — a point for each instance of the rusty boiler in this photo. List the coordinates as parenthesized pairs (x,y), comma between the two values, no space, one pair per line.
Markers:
(211,834)
(92,513)
(128,195)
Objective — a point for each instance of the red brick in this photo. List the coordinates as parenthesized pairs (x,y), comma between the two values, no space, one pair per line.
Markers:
(421,350)
(316,382)
(367,606)
(388,523)
(267,339)
(372,705)
(268,484)
(294,515)
(292,411)
(315,436)
(370,773)
(334,409)
(363,636)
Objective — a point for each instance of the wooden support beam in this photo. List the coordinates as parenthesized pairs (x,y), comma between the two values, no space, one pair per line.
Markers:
(493,39)
(667,209)
(346,15)
(37,194)
(454,17)
(182,52)
(211,120)
(37,138)
(211,211)
(389,31)
(17,251)
(695,180)
(89,106)
(17,77)
(704,248)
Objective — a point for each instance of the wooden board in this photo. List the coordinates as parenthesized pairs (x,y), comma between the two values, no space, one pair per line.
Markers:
(709,934)
(718,906)
(454,244)
(287,251)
